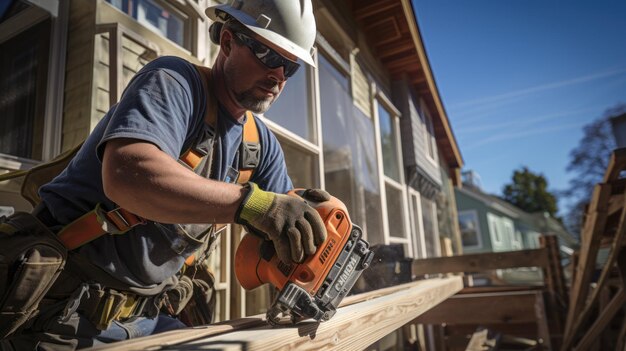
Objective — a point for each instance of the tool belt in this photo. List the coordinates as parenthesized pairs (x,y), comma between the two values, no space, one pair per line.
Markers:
(102,305)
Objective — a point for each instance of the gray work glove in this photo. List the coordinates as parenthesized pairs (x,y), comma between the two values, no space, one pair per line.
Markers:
(294,227)
(317,195)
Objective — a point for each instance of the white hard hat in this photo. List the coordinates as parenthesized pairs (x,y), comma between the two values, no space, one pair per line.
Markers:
(288,24)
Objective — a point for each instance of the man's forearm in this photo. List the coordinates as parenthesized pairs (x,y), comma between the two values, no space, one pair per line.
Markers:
(144,180)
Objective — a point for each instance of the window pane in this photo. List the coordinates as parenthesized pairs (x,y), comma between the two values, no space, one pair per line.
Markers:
(292,109)
(302,166)
(395,211)
(431,236)
(23,77)
(154,16)
(416,230)
(388,141)
(470,234)
(160,19)
(351,171)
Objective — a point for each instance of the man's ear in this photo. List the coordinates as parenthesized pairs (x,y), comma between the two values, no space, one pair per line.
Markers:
(226,41)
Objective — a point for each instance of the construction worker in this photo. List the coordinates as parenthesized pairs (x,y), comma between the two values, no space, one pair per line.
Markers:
(132,161)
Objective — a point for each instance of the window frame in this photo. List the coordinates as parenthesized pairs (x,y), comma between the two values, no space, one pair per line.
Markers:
(417,224)
(495,233)
(474,213)
(436,236)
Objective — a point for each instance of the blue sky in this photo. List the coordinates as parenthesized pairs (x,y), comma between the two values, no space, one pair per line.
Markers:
(519,79)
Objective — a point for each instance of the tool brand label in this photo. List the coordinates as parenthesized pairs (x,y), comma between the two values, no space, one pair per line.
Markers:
(284,268)
(343,278)
(327,250)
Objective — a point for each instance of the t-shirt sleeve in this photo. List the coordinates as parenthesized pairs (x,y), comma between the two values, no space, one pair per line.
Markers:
(157,108)
(271,175)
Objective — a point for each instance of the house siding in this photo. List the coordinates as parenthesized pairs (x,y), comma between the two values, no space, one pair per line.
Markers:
(79,73)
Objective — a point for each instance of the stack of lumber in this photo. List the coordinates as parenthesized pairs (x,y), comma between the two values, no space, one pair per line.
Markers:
(596,318)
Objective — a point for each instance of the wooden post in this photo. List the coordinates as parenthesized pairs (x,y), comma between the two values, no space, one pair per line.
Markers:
(556,291)
(603,320)
(615,255)
(606,314)
(591,237)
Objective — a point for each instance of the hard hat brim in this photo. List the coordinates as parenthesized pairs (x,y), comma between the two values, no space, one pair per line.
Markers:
(213,13)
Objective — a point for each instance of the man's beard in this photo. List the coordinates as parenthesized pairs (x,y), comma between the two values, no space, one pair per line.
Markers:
(248,100)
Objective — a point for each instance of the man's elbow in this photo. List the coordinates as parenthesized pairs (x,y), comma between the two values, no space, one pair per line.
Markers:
(112,184)
(115,181)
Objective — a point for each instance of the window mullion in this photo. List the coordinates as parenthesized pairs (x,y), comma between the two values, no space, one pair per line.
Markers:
(381,171)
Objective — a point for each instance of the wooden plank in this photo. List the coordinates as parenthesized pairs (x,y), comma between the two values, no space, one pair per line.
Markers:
(621,337)
(616,251)
(352,299)
(485,308)
(556,270)
(591,237)
(177,336)
(523,330)
(499,288)
(481,262)
(617,163)
(543,332)
(616,304)
(374,8)
(478,341)
(353,327)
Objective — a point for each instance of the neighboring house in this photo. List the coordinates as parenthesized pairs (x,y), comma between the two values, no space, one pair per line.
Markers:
(367,124)
(490,224)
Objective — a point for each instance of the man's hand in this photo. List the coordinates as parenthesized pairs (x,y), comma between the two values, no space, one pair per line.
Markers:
(294,227)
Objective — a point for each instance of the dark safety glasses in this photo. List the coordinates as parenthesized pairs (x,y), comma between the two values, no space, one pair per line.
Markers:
(267,56)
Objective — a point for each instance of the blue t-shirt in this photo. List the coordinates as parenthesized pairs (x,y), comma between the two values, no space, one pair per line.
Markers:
(164,104)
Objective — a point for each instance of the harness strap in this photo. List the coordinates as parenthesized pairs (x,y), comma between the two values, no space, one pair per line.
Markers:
(250,150)
(96,223)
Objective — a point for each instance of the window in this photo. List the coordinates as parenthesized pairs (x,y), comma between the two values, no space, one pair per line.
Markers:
(392,176)
(158,16)
(470,229)
(395,211)
(389,143)
(23,79)
(302,165)
(534,241)
(508,231)
(416,224)
(431,230)
(350,165)
(517,241)
(430,142)
(496,232)
(294,108)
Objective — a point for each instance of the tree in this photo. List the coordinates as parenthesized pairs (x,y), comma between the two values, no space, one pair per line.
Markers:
(588,162)
(529,191)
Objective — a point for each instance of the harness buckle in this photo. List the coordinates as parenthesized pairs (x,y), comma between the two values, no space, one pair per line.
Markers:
(249,155)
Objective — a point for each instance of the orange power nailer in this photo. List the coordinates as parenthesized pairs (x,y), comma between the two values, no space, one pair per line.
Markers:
(314,288)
